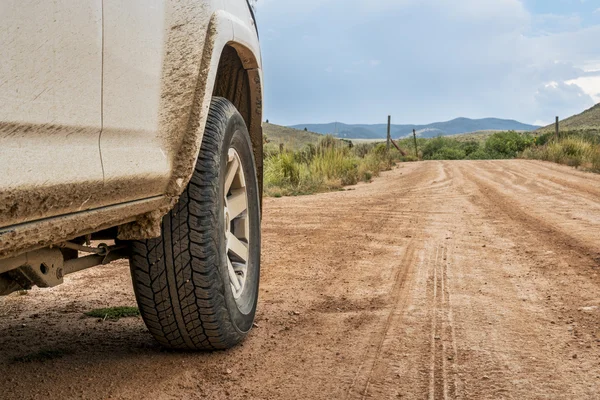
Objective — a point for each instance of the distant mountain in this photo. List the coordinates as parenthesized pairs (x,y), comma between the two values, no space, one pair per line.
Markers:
(587,120)
(454,127)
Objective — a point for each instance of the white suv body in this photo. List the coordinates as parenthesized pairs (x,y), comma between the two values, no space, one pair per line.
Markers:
(103,107)
(136,122)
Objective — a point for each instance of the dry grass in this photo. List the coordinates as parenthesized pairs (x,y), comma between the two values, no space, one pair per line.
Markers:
(292,139)
(330,165)
(574,149)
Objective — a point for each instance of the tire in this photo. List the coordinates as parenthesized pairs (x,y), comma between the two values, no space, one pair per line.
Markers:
(185,292)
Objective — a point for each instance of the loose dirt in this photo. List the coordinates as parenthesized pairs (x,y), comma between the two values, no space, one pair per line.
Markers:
(440,280)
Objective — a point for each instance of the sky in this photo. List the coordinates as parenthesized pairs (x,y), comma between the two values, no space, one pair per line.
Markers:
(423,61)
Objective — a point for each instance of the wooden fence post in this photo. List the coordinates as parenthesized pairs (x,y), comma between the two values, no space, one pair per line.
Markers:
(389,132)
(556,129)
(416,148)
(280,148)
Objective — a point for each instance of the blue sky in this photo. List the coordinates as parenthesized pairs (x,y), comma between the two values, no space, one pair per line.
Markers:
(356,61)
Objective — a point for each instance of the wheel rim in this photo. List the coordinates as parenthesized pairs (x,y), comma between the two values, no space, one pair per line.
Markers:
(237,224)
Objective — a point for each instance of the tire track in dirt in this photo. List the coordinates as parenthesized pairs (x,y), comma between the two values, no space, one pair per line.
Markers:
(544,224)
(399,300)
(553,283)
(530,180)
(386,377)
(399,296)
(443,379)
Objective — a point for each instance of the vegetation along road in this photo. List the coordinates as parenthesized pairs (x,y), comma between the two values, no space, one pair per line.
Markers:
(439,280)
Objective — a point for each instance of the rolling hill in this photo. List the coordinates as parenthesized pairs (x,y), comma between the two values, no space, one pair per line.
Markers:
(453,127)
(587,120)
(293,139)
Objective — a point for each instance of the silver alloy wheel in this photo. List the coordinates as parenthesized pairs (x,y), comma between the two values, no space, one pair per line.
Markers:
(237,225)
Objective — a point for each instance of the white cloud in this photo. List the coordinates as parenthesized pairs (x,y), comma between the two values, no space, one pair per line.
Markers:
(455,58)
(562,98)
(590,85)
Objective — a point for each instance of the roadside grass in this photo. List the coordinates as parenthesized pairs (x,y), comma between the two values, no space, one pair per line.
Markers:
(579,149)
(114,313)
(329,165)
(42,356)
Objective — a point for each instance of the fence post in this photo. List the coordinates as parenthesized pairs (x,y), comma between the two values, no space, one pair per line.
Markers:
(280,148)
(416,148)
(389,132)
(556,129)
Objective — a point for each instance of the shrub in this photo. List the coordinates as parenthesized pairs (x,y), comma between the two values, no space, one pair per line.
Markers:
(445,148)
(470,147)
(482,154)
(449,153)
(508,144)
(575,148)
(437,145)
(362,149)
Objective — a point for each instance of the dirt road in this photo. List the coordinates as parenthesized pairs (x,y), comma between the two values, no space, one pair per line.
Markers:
(440,280)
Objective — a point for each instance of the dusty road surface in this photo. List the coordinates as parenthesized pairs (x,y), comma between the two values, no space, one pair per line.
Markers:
(440,280)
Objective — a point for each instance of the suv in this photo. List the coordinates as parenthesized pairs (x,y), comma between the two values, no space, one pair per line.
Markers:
(136,123)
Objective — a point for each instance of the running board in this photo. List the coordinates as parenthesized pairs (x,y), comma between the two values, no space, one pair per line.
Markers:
(19,239)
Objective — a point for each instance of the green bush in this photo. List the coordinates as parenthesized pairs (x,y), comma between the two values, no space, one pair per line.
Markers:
(483,154)
(449,153)
(470,147)
(445,148)
(500,145)
(508,144)
(437,145)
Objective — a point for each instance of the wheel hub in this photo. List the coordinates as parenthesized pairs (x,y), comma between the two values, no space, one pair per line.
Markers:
(236,224)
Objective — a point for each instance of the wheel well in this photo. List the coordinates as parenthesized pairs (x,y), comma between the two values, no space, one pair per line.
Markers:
(240,84)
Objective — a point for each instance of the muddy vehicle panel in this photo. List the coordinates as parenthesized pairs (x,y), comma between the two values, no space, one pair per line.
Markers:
(103,132)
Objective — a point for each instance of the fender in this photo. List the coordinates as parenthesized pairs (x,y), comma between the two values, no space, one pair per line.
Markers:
(221,32)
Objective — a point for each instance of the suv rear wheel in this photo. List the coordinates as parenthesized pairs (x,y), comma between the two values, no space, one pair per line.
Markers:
(197,284)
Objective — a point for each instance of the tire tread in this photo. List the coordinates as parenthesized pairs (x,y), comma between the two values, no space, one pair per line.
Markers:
(178,287)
